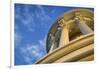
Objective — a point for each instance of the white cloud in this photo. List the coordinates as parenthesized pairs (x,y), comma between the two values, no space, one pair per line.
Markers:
(17,36)
(42,15)
(26,18)
(42,42)
(27,59)
(32,52)
(17,39)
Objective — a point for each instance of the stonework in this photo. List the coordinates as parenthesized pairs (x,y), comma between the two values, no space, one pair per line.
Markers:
(71,38)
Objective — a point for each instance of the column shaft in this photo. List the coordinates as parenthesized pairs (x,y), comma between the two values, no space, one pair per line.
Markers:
(52,47)
(64,39)
(84,28)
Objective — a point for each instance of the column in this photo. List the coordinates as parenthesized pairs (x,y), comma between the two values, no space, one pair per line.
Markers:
(52,43)
(85,29)
(64,39)
(52,48)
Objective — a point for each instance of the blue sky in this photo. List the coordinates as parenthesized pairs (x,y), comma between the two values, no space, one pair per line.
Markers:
(32,23)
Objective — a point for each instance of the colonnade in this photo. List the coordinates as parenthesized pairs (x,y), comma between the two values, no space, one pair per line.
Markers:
(81,23)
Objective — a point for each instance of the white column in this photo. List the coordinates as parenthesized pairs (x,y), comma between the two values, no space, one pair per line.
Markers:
(64,39)
(85,29)
(52,46)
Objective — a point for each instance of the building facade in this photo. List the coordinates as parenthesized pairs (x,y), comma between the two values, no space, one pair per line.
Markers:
(71,38)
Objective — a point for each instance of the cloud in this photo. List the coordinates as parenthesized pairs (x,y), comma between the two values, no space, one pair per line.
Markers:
(17,36)
(29,22)
(42,15)
(32,52)
(42,42)
(26,17)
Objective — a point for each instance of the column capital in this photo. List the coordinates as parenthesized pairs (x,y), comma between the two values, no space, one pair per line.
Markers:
(79,17)
(62,23)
